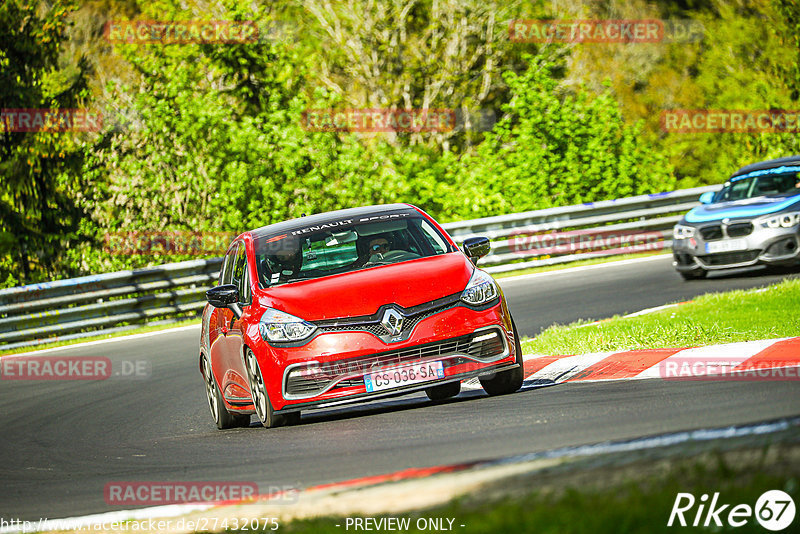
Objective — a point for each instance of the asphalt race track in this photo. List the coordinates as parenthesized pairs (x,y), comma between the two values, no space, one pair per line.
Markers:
(63,441)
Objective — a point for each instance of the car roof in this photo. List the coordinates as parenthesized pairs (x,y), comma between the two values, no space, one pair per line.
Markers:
(330,217)
(769,164)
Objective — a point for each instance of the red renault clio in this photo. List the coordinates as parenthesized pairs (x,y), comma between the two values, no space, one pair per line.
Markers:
(350,306)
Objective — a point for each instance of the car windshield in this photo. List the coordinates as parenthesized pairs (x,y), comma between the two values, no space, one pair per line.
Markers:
(345,246)
(783,181)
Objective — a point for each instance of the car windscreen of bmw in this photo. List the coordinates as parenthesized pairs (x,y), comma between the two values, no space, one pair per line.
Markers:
(344,247)
(783,181)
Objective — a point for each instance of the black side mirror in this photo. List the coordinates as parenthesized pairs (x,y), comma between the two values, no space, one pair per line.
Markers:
(225,296)
(476,247)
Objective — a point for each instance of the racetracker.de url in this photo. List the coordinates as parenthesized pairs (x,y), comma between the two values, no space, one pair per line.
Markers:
(201,524)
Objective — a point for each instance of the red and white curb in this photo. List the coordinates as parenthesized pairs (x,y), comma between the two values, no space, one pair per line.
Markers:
(770,359)
(743,360)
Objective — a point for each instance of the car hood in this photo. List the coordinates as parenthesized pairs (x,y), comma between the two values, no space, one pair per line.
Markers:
(362,292)
(746,208)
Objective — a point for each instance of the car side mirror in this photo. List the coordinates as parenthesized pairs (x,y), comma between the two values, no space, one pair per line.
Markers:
(476,247)
(225,296)
(707,197)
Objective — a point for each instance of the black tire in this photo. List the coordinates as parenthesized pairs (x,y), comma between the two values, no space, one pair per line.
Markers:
(258,392)
(444,391)
(506,382)
(694,275)
(222,417)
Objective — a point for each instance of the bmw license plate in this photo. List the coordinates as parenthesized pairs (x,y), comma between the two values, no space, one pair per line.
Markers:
(728,245)
(399,376)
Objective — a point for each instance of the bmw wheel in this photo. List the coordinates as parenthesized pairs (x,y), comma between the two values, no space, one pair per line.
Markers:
(258,391)
(222,417)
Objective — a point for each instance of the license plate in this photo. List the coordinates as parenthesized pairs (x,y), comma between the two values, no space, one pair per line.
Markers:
(399,376)
(728,245)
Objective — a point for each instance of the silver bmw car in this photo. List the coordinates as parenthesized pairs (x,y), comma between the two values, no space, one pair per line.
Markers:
(754,219)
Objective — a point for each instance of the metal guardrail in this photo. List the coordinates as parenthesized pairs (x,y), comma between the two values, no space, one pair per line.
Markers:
(91,305)
(514,236)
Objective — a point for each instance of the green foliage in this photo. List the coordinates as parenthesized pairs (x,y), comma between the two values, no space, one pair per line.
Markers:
(209,137)
(746,58)
(553,148)
(40,178)
(741,65)
(217,144)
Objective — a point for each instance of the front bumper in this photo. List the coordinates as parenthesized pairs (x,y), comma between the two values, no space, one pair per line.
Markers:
(330,369)
(705,251)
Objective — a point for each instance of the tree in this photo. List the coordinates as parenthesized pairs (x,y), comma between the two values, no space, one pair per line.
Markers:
(403,54)
(40,169)
(554,147)
(218,142)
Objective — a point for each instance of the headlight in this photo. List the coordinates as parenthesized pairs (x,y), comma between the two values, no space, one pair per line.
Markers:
(481,289)
(276,325)
(783,220)
(682,232)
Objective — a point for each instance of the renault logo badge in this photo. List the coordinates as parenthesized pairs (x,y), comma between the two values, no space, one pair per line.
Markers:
(392,321)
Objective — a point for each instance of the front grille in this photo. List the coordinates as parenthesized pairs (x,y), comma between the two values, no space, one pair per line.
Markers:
(375,327)
(739,229)
(711,233)
(730,258)
(315,379)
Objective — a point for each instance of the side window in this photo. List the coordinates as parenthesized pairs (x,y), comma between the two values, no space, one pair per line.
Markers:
(227,266)
(240,278)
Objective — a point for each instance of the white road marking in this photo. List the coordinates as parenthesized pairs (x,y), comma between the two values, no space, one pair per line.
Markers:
(565,368)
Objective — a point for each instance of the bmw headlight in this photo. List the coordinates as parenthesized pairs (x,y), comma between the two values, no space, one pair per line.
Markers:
(481,289)
(682,232)
(276,325)
(782,220)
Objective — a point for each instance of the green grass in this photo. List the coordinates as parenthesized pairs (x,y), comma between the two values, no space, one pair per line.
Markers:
(626,499)
(742,315)
(141,330)
(579,263)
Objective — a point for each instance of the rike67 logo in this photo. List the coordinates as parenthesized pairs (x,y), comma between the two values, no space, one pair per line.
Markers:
(774,510)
